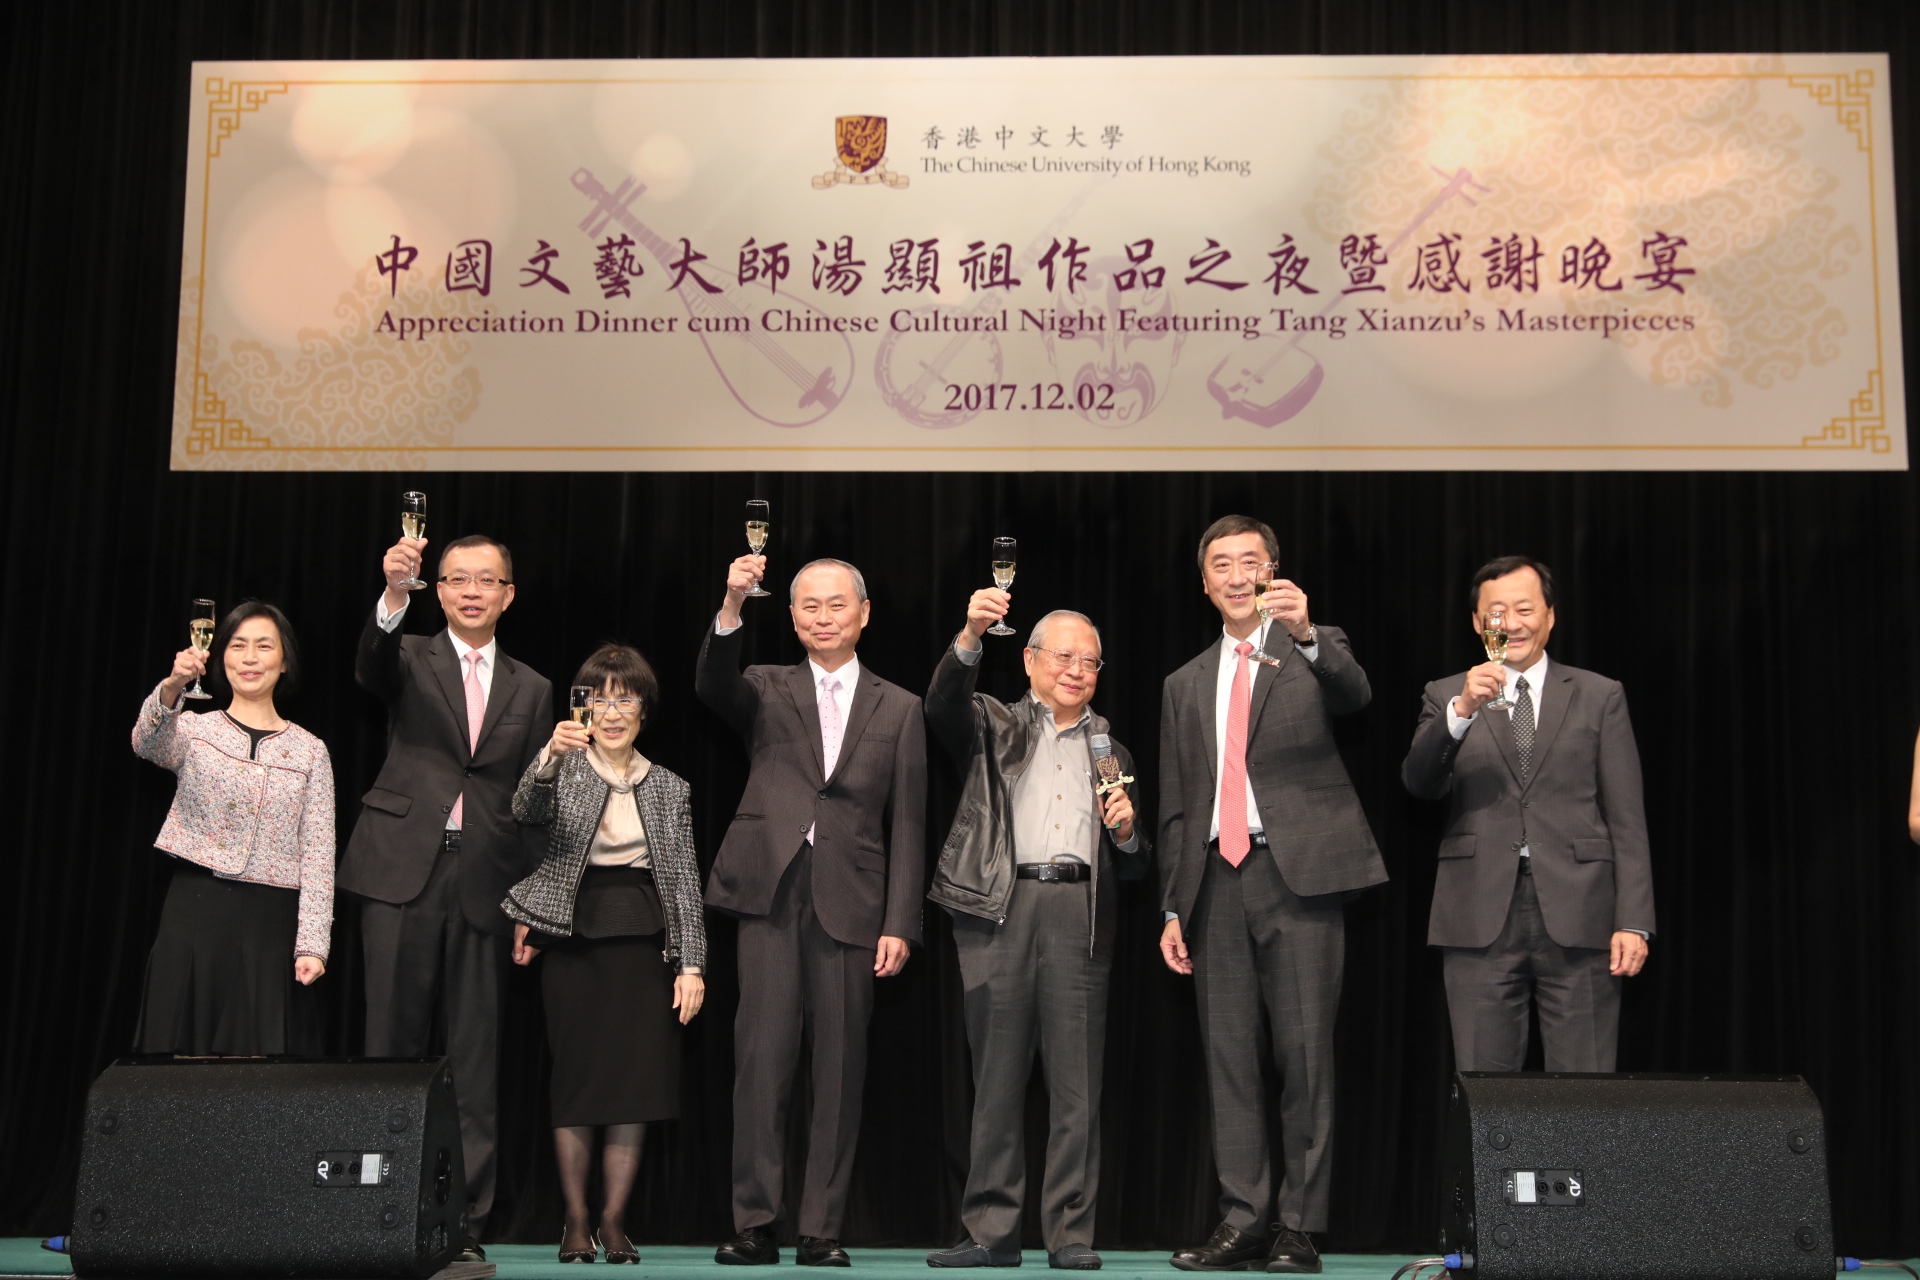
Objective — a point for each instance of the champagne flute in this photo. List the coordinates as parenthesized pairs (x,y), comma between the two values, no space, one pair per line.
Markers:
(1493,634)
(1006,552)
(413,524)
(200,630)
(1263,579)
(580,705)
(759,527)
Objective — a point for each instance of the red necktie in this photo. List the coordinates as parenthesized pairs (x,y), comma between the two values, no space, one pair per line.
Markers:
(1234,840)
(476,716)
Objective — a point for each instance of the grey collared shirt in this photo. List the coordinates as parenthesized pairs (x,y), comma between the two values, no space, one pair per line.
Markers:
(1055,809)
(1053,799)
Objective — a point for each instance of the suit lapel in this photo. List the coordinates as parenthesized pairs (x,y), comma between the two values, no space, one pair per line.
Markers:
(1264,678)
(500,692)
(1500,725)
(866,696)
(800,686)
(1206,685)
(1552,716)
(446,673)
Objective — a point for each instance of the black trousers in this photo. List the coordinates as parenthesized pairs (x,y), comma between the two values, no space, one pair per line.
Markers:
(797,985)
(1490,990)
(1266,958)
(428,966)
(1030,985)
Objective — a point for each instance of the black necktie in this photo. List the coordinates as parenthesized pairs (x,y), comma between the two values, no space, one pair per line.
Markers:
(1523,726)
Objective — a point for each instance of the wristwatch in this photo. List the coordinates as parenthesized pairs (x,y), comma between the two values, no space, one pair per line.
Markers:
(1313,637)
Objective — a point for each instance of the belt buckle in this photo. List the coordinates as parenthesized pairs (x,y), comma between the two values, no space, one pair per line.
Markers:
(1048,874)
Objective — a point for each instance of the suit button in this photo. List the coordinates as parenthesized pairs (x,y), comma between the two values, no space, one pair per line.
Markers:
(803,831)
(1516,846)
(1526,804)
(823,795)
(447,808)
(469,773)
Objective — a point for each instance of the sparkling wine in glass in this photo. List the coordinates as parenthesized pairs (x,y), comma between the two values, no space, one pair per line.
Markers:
(200,626)
(1006,553)
(1493,634)
(759,526)
(1264,575)
(413,524)
(580,705)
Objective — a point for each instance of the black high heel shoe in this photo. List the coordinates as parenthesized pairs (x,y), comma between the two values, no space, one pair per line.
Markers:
(578,1255)
(619,1257)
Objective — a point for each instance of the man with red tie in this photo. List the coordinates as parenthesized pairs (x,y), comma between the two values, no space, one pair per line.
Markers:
(1262,840)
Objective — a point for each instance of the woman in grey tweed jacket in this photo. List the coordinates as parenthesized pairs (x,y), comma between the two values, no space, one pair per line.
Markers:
(616,904)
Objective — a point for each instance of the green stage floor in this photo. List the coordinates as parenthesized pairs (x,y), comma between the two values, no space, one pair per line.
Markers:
(22,1257)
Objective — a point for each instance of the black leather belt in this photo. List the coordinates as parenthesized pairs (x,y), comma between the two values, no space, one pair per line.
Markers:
(450,840)
(1054,872)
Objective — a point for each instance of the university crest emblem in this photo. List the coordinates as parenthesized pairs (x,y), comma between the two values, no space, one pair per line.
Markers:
(860,154)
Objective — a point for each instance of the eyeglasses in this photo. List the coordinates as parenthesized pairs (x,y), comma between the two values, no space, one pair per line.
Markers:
(1072,662)
(486,581)
(625,706)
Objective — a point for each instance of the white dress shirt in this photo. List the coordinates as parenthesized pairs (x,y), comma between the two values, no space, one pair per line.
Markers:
(1223,692)
(488,652)
(849,676)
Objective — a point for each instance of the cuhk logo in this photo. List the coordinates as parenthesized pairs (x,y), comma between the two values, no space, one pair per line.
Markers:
(860,155)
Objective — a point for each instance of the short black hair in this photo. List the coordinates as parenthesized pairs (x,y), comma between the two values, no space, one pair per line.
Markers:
(1233,526)
(622,665)
(1500,567)
(289,682)
(479,540)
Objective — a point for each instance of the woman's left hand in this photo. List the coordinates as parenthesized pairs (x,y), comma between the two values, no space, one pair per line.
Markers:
(689,993)
(522,953)
(307,968)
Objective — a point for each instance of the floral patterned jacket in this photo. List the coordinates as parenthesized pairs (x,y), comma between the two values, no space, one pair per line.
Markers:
(267,821)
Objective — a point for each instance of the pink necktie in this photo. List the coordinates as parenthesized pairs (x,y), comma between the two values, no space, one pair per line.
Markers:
(830,728)
(1234,840)
(476,715)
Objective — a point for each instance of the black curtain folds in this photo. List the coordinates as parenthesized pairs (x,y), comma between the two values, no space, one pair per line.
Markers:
(1762,624)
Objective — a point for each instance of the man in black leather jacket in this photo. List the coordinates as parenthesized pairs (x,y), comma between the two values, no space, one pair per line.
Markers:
(1044,829)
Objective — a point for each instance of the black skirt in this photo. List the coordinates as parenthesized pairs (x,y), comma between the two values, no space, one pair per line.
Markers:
(220,975)
(611,1023)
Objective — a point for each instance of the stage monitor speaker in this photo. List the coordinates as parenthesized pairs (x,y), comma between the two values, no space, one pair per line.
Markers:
(1636,1177)
(261,1168)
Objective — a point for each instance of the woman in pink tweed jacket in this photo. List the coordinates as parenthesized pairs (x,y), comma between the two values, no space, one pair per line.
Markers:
(251,903)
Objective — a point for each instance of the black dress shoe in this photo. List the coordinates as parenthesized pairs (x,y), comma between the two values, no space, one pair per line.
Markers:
(1227,1249)
(818,1251)
(1294,1253)
(754,1247)
(471,1252)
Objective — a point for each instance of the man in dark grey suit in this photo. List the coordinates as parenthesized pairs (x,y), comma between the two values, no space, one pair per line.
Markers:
(1028,872)
(823,866)
(436,847)
(1545,890)
(1261,840)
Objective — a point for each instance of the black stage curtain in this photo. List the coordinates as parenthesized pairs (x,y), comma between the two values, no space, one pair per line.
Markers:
(1763,625)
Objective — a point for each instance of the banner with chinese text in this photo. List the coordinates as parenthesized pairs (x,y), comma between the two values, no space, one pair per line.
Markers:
(1058,264)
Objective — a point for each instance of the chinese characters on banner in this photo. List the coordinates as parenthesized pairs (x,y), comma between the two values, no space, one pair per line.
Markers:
(747,265)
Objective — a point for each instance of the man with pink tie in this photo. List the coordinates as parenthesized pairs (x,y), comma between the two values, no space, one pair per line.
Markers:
(435,847)
(1262,840)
